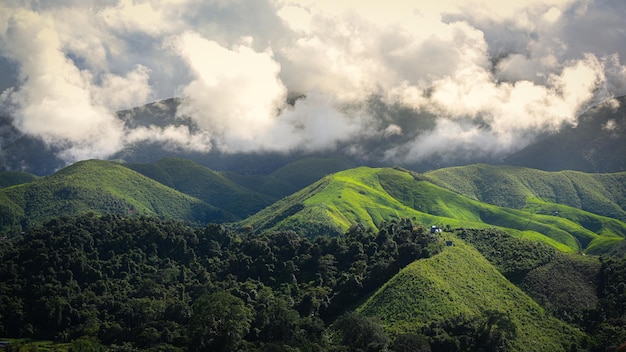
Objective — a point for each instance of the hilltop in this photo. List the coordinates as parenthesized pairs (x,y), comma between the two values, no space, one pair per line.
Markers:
(102,187)
(571,211)
(205,184)
(457,287)
(372,196)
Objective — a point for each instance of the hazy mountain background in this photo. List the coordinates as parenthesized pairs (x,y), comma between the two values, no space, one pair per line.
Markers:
(596,144)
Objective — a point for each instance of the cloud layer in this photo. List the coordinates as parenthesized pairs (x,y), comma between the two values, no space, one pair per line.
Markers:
(400,81)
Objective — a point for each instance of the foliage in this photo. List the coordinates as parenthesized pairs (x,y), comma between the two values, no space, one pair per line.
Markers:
(205,184)
(11,178)
(513,257)
(219,322)
(510,186)
(459,291)
(361,333)
(150,283)
(582,290)
(104,188)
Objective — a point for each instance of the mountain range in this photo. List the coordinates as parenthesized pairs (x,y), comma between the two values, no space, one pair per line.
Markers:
(597,143)
(572,211)
(517,256)
(529,252)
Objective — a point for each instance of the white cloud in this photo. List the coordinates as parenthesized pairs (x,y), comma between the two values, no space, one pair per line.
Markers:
(494,74)
(235,93)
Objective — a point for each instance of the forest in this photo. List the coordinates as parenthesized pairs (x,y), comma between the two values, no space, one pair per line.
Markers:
(141,283)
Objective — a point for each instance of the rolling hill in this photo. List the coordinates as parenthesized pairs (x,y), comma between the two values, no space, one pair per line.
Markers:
(205,184)
(11,178)
(372,196)
(511,186)
(571,211)
(457,286)
(101,187)
(291,177)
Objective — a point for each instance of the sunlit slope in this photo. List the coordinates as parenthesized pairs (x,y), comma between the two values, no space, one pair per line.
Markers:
(103,187)
(460,282)
(371,196)
(333,204)
(205,184)
(510,186)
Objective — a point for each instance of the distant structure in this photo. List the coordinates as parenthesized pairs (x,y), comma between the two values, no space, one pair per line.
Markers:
(435,229)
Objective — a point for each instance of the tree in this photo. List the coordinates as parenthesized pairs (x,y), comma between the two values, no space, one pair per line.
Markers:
(410,343)
(218,322)
(361,333)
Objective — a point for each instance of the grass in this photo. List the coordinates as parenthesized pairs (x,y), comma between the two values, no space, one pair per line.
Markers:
(11,178)
(205,184)
(371,196)
(38,345)
(460,281)
(510,186)
(101,187)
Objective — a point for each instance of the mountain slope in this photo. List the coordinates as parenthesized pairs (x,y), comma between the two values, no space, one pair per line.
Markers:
(511,186)
(461,284)
(11,178)
(291,177)
(372,196)
(596,144)
(102,187)
(205,184)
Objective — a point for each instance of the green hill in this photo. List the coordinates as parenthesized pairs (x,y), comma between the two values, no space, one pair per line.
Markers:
(291,177)
(205,184)
(511,186)
(11,178)
(102,187)
(371,196)
(458,287)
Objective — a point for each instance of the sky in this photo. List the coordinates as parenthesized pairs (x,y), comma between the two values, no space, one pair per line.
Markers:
(416,80)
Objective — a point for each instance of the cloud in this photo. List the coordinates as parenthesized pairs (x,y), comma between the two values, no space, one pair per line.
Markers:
(400,81)
(235,93)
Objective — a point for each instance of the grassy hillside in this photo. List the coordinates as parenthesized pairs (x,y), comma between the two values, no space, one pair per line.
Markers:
(291,177)
(511,186)
(11,178)
(372,196)
(205,184)
(333,204)
(101,187)
(459,284)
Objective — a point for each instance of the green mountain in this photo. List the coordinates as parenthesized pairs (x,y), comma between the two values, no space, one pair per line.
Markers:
(101,187)
(372,196)
(512,186)
(459,286)
(291,177)
(571,211)
(205,184)
(11,178)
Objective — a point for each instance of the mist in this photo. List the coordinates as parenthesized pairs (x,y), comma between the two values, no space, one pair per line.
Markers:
(400,82)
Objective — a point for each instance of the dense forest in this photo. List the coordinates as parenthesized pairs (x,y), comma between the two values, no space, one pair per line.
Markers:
(143,283)
(147,284)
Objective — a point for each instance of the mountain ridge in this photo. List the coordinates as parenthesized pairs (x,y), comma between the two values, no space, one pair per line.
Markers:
(454,197)
(596,144)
